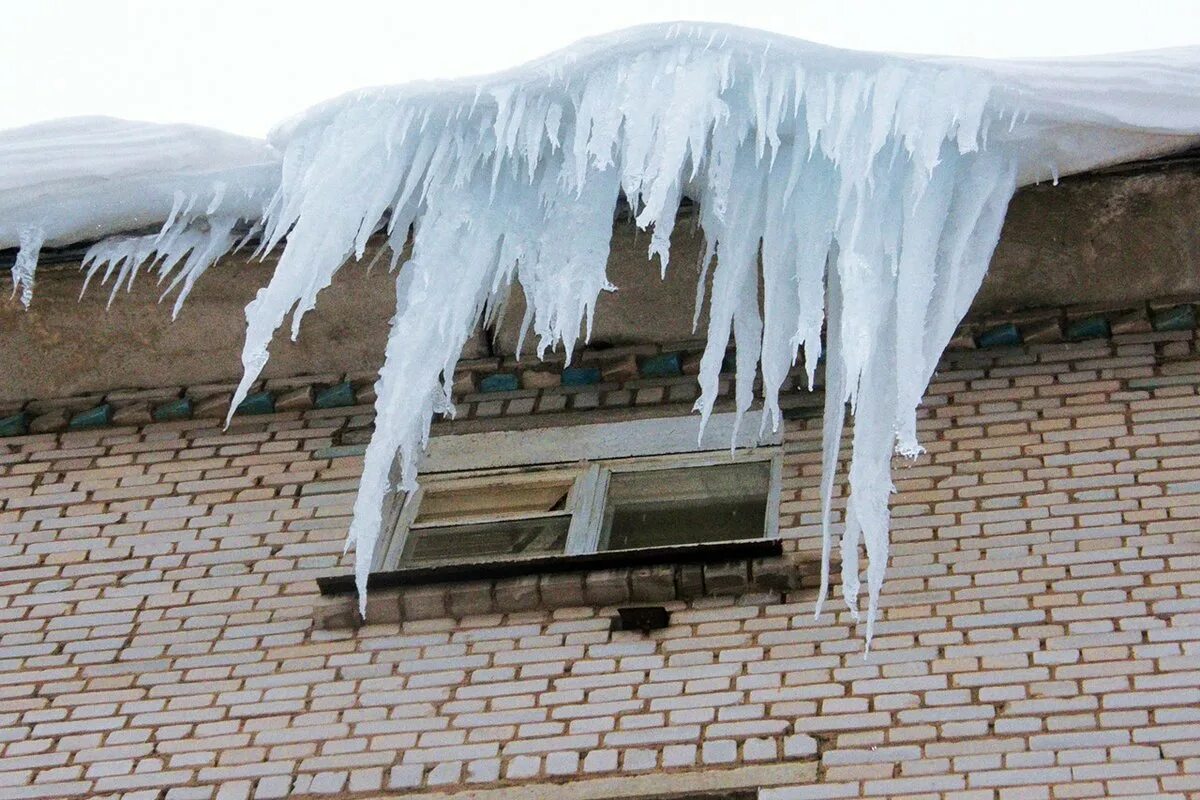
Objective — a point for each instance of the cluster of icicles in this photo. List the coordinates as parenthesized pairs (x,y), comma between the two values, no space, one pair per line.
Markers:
(190,241)
(866,199)
(867,192)
(845,193)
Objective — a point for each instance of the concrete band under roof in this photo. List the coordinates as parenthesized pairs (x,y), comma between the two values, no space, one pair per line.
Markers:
(1108,240)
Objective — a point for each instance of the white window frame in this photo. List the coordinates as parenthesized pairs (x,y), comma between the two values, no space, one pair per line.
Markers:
(594,453)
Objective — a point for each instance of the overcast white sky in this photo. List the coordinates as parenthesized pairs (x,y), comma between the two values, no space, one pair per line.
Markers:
(243,65)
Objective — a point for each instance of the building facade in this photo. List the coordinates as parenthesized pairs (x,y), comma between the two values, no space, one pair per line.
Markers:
(173,620)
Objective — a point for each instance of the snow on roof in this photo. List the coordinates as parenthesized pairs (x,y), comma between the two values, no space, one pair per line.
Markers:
(119,175)
(84,178)
(1149,96)
(863,192)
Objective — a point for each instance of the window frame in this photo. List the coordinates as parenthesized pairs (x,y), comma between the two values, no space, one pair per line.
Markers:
(588,498)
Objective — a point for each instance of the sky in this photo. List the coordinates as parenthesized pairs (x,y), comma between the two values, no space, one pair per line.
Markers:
(243,66)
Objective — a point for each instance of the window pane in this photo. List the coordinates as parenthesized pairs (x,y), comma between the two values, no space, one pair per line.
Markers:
(486,540)
(494,498)
(687,505)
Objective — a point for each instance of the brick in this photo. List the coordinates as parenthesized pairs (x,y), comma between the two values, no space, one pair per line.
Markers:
(137,413)
(689,581)
(298,399)
(600,761)
(539,379)
(522,767)
(517,594)
(719,751)
(772,575)
(725,579)
(561,590)
(484,770)
(212,407)
(621,369)
(424,602)
(445,773)
(799,746)
(760,749)
(639,760)
(656,735)
(606,587)
(383,607)
(51,421)
(468,599)
(652,584)
(563,763)
(407,776)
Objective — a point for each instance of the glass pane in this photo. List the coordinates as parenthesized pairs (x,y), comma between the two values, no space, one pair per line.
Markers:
(687,505)
(497,498)
(486,540)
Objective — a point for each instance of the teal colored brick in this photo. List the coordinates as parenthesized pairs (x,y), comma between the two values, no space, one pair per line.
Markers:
(1090,328)
(257,403)
(580,376)
(729,362)
(96,417)
(1160,381)
(500,382)
(664,365)
(171,410)
(336,396)
(15,425)
(341,451)
(1006,335)
(1179,318)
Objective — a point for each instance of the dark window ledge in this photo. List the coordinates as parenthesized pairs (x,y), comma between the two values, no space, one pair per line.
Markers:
(556,564)
(649,575)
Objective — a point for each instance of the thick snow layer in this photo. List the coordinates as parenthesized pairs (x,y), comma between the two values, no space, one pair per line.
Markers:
(84,178)
(863,192)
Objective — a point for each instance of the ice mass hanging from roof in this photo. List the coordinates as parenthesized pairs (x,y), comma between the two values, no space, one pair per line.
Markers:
(865,192)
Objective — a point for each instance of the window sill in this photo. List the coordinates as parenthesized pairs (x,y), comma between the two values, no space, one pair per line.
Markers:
(650,575)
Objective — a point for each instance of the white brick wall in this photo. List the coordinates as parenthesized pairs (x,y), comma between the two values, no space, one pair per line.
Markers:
(1041,633)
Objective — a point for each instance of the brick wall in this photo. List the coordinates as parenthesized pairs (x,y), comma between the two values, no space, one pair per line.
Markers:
(1041,636)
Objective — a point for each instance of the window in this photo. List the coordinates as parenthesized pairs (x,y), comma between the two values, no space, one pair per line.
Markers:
(686,505)
(658,491)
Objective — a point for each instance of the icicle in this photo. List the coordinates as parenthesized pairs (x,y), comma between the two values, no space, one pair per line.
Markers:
(734,306)
(835,418)
(183,249)
(25,266)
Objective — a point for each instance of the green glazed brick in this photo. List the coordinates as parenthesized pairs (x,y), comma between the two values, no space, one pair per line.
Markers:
(341,451)
(664,365)
(15,425)
(1178,318)
(500,382)
(1090,328)
(1006,335)
(171,410)
(336,396)
(257,403)
(580,376)
(96,417)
